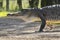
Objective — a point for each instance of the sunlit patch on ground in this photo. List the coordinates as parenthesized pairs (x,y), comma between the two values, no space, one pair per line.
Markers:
(3,14)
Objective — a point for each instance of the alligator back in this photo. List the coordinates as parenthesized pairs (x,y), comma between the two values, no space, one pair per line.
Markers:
(52,12)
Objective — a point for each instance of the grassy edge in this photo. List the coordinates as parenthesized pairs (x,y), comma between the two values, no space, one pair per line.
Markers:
(3,14)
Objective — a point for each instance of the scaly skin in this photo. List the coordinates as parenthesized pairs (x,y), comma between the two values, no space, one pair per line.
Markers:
(51,12)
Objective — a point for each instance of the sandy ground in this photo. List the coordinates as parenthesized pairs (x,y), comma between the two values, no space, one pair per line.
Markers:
(23,28)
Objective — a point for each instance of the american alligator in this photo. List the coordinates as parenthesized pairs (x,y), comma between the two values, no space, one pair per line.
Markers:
(51,12)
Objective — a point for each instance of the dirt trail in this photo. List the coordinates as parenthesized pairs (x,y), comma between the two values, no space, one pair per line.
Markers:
(23,28)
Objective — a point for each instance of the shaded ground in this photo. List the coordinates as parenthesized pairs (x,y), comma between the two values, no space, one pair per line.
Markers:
(16,28)
(16,25)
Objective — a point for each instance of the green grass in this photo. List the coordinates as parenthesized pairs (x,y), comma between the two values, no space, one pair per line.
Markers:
(3,14)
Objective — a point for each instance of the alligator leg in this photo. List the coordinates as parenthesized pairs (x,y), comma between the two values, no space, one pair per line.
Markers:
(43,22)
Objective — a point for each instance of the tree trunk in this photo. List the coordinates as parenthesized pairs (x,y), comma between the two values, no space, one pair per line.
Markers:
(33,3)
(19,2)
(7,5)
